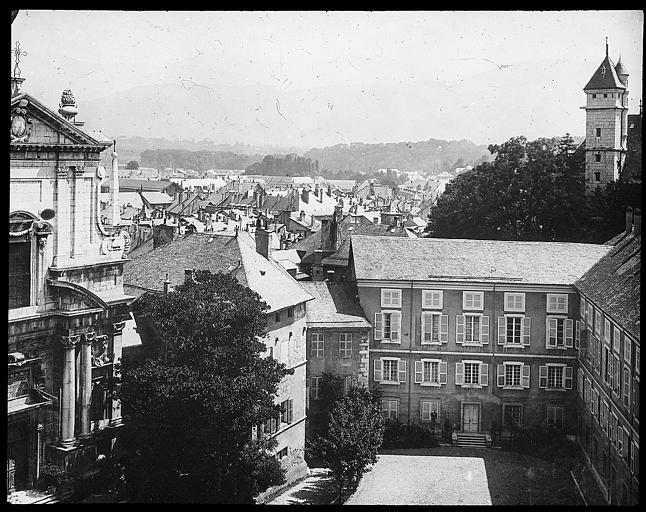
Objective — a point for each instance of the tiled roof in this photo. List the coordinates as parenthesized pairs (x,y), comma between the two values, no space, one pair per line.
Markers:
(613,284)
(605,77)
(157,197)
(145,185)
(235,255)
(394,258)
(334,304)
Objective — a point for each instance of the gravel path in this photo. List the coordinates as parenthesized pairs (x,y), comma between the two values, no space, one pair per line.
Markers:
(316,489)
(463,476)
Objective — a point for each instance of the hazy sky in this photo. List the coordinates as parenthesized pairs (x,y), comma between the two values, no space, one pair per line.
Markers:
(97,53)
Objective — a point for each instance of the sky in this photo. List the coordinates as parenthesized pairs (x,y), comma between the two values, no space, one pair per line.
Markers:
(543,58)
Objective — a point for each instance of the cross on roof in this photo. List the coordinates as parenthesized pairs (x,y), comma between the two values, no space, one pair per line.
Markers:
(17,53)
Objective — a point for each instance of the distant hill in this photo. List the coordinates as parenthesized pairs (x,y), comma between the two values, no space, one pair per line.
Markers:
(433,155)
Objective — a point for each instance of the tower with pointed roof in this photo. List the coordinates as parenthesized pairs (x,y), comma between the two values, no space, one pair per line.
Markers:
(606,123)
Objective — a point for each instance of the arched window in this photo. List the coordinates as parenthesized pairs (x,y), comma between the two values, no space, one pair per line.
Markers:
(20,259)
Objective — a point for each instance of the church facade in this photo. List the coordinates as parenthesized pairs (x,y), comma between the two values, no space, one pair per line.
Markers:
(67,306)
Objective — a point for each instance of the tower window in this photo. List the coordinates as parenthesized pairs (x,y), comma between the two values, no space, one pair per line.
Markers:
(598,132)
(597,176)
(597,157)
(594,96)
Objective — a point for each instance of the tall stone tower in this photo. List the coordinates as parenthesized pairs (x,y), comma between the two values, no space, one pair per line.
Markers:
(606,122)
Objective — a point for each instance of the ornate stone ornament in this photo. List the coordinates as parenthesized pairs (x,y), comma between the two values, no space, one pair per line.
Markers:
(20,123)
(79,171)
(62,172)
(113,245)
(100,354)
(69,341)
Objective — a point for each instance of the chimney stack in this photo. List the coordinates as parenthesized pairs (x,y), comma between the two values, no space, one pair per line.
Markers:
(188,275)
(637,222)
(263,245)
(302,215)
(629,220)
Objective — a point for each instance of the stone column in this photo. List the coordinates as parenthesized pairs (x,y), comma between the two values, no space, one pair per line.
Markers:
(85,391)
(78,228)
(68,399)
(115,416)
(62,247)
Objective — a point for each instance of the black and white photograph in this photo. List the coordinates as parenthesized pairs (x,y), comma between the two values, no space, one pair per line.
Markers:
(327,257)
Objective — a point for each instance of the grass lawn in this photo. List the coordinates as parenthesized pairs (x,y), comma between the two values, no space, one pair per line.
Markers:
(452,476)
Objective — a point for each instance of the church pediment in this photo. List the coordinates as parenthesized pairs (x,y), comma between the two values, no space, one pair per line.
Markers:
(33,123)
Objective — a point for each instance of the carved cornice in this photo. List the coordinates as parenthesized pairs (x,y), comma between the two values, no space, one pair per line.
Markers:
(62,172)
(69,342)
(79,171)
(100,354)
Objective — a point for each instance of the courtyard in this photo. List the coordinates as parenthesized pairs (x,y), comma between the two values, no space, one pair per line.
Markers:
(464,476)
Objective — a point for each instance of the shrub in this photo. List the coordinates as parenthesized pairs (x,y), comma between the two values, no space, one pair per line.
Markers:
(398,435)
(53,478)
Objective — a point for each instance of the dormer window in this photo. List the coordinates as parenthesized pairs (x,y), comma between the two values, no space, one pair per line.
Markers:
(598,132)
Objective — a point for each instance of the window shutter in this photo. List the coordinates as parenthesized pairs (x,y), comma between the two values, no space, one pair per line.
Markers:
(401,370)
(484,329)
(502,330)
(459,329)
(379,326)
(444,328)
(568,332)
(542,377)
(418,371)
(526,328)
(459,374)
(395,320)
(443,368)
(500,375)
(550,332)
(524,381)
(419,335)
(568,377)
(426,336)
(378,370)
(577,336)
(484,374)
(290,411)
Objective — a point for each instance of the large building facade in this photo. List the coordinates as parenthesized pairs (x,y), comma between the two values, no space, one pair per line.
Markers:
(473,333)
(67,305)
(608,381)
(606,121)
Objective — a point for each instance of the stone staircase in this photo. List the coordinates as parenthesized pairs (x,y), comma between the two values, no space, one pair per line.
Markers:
(471,440)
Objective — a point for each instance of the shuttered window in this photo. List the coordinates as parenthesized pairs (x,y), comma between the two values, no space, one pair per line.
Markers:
(435,328)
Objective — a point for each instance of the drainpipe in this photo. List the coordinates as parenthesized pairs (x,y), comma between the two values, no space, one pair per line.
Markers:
(493,339)
(411,368)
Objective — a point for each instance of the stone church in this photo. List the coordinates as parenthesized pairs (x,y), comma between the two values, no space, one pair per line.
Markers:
(67,306)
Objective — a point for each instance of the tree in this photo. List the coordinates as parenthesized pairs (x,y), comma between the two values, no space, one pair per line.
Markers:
(133,164)
(354,434)
(191,411)
(531,191)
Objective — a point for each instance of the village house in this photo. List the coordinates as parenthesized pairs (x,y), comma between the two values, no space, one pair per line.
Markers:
(337,342)
(241,256)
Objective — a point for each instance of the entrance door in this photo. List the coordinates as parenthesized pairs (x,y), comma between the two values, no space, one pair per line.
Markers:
(18,453)
(471,417)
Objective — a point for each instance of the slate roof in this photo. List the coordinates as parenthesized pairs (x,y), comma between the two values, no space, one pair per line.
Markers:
(235,255)
(335,304)
(613,283)
(545,263)
(605,77)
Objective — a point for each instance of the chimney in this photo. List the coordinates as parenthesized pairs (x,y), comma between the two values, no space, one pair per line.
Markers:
(188,275)
(338,212)
(637,222)
(329,191)
(302,215)
(166,284)
(305,195)
(629,220)
(262,242)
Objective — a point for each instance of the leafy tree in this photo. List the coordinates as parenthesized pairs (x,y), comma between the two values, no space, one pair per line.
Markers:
(133,164)
(190,412)
(355,433)
(531,191)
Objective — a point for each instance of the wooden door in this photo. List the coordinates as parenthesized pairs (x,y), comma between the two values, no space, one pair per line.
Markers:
(471,417)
